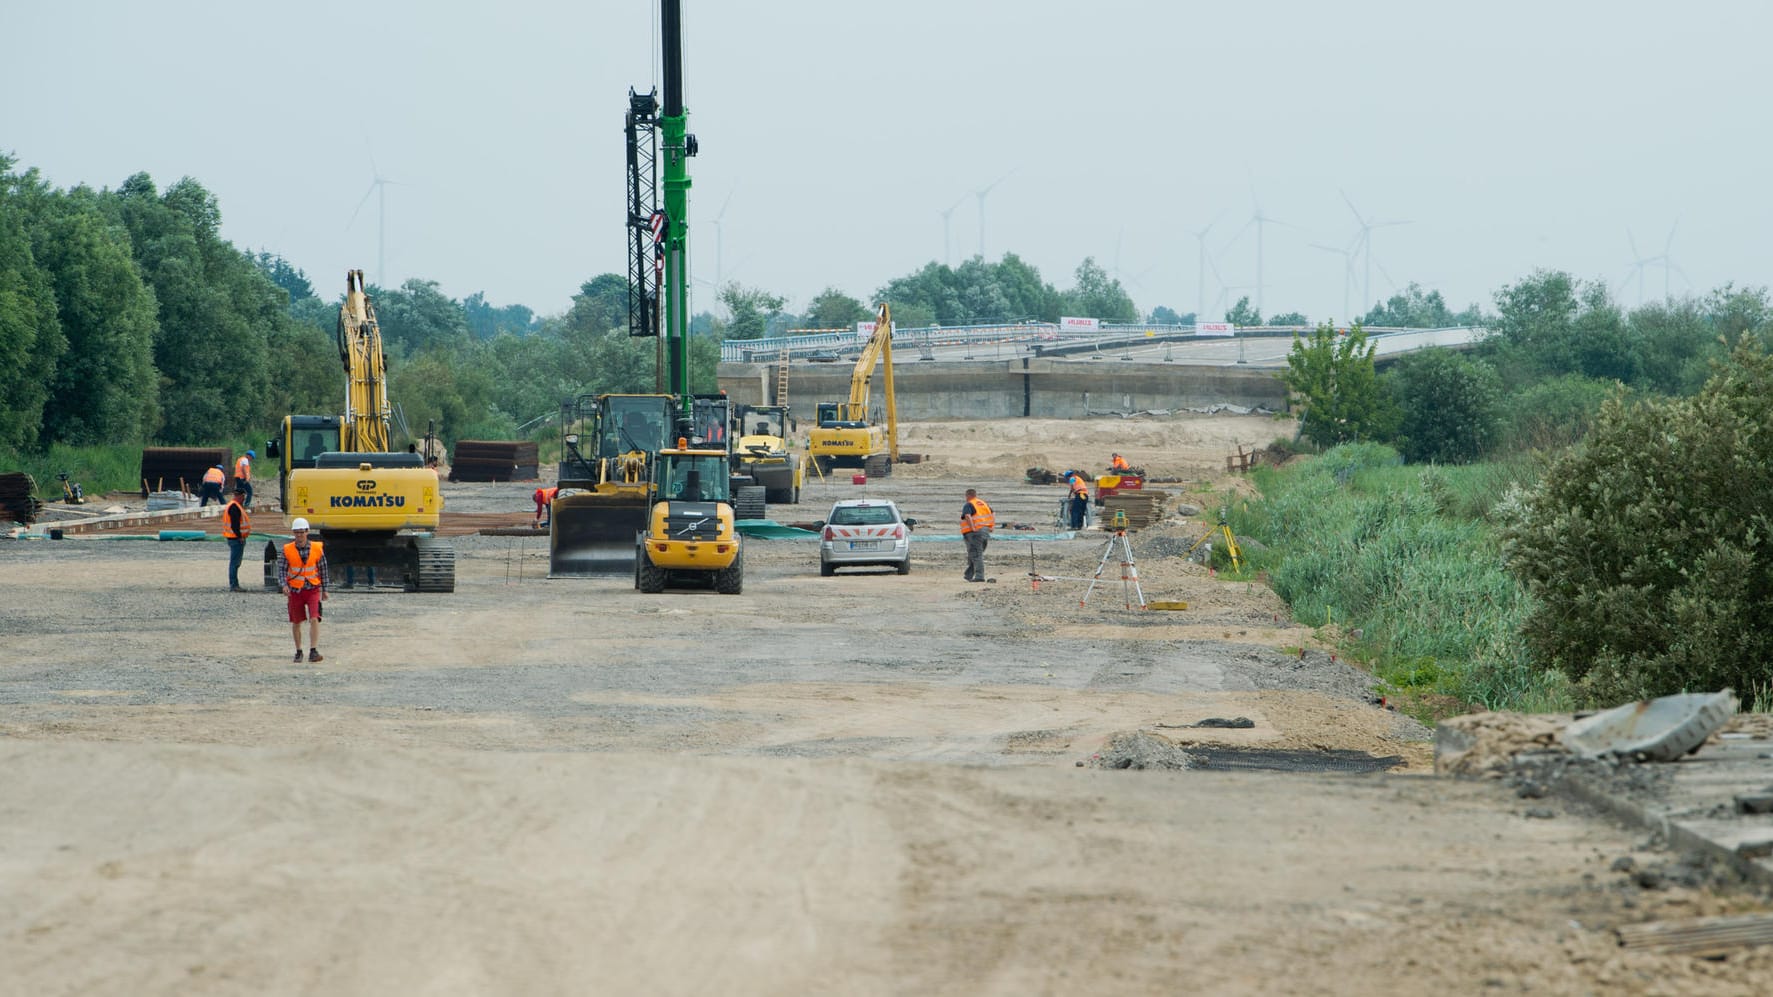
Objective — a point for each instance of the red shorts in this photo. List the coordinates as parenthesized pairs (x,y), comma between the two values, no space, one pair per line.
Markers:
(304,603)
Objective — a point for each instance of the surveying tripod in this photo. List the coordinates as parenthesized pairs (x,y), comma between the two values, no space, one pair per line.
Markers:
(1237,557)
(1129,569)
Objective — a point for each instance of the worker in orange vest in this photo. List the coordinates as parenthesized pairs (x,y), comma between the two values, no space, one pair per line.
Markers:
(544,504)
(1117,463)
(236,527)
(301,574)
(976,522)
(243,475)
(213,479)
(1080,500)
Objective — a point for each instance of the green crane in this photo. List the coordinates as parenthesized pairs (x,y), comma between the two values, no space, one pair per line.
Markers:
(658,235)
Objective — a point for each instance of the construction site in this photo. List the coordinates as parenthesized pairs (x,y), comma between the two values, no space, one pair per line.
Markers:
(871,783)
(599,715)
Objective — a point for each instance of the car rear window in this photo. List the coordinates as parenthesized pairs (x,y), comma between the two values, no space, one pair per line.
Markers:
(862,515)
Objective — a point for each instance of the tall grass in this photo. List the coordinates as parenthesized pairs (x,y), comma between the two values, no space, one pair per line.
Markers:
(1405,557)
(109,467)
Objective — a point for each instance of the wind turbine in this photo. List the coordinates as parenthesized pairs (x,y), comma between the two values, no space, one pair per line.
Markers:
(1259,219)
(717,240)
(1363,244)
(1640,262)
(1200,294)
(947,242)
(980,193)
(378,187)
(1347,273)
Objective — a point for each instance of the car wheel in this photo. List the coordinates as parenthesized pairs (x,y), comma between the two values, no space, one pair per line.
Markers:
(904,566)
(827,569)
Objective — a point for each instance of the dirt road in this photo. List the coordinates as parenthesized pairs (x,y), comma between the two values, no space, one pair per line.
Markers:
(867,783)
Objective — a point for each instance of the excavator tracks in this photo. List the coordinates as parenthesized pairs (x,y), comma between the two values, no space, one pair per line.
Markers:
(436,565)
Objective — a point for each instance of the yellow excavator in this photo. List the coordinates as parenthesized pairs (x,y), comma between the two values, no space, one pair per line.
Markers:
(373,509)
(847,434)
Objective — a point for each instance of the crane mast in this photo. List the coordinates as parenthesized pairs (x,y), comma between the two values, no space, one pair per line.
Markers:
(365,428)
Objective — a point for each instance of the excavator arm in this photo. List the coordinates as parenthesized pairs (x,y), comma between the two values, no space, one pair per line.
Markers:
(366,371)
(878,348)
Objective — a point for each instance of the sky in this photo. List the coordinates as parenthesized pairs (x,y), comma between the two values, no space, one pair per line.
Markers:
(1499,138)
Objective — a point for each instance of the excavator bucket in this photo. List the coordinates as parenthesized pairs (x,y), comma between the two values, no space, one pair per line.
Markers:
(595,534)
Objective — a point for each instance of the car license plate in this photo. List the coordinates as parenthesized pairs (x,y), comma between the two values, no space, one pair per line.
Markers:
(864,544)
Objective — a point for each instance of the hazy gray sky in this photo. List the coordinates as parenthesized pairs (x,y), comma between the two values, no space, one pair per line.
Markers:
(1510,135)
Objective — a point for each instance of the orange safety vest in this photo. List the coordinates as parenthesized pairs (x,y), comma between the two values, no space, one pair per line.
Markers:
(1119,464)
(243,468)
(546,496)
(245,521)
(302,575)
(214,476)
(1079,488)
(981,519)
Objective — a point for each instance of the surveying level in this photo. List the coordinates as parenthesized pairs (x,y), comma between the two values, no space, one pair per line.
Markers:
(1131,592)
(1230,543)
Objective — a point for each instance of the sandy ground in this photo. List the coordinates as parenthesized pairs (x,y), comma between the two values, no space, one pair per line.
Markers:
(864,784)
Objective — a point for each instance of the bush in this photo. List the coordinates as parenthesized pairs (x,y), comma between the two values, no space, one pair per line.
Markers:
(1647,549)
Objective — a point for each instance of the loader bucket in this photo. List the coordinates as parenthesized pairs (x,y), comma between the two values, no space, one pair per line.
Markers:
(592,534)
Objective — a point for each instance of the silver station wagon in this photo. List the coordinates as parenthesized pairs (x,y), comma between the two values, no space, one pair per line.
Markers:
(861,532)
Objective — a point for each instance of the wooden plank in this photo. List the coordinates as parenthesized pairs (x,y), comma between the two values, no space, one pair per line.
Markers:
(1698,935)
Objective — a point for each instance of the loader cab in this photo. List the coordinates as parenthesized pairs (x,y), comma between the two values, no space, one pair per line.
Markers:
(692,476)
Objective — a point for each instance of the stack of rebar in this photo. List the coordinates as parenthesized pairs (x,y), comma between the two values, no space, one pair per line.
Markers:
(181,469)
(18,498)
(1142,508)
(494,460)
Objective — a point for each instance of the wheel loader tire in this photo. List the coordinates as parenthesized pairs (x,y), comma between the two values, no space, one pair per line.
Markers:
(730,580)
(652,577)
(750,503)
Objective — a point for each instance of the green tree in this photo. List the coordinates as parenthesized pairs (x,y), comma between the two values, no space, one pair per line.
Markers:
(285,275)
(486,321)
(1242,314)
(1675,346)
(751,310)
(1097,295)
(1163,315)
(1649,549)
(419,317)
(1288,318)
(30,334)
(832,309)
(1735,313)
(1410,308)
(215,308)
(1335,384)
(1449,406)
(106,388)
(1550,324)
(1552,414)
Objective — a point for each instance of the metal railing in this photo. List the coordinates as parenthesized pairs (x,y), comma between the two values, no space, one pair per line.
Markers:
(1037,338)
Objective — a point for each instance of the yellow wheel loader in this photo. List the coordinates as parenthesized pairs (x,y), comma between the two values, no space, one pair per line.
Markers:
(609,444)
(689,538)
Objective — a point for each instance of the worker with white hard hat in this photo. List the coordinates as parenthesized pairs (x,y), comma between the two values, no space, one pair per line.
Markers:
(302,576)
